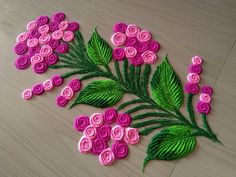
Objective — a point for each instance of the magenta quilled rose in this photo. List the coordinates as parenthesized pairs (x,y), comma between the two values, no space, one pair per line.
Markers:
(124,120)
(38,89)
(191,88)
(53,26)
(40,68)
(98,146)
(195,69)
(75,85)
(42,20)
(34,50)
(110,115)
(137,60)
(207,89)
(22,62)
(59,16)
(204,108)
(120,27)
(34,34)
(57,80)
(81,122)
(62,48)
(53,43)
(154,46)
(51,59)
(118,54)
(141,46)
(120,150)
(73,26)
(61,101)
(104,132)
(21,48)
(130,41)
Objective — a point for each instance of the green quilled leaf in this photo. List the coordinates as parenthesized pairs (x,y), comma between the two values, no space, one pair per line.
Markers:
(102,93)
(166,87)
(170,144)
(99,51)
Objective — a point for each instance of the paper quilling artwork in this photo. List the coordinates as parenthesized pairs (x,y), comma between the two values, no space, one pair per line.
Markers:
(130,66)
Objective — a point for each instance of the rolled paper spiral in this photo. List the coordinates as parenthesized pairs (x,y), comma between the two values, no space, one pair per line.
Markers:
(124,120)
(98,146)
(106,157)
(85,144)
(120,150)
(96,119)
(81,122)
(110,115)
(104,132)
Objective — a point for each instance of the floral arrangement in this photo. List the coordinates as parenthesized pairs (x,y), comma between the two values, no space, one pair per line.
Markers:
(56,43)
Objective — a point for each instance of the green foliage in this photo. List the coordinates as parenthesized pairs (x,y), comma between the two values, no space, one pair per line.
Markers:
(170,144)
(102,93)
(99,51)
(166,87)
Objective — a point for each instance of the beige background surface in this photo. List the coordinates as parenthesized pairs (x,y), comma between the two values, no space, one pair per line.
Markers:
(37,138)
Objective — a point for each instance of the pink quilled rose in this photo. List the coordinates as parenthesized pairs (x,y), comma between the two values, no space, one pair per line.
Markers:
(81,122)
(131,135)
(85,145)
(117,133)
(106,157)
(120,149)
(96,119)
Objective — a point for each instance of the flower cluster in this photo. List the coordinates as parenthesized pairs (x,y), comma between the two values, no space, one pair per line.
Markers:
(40,88)
(193,77)
(134,44)
(97,131)
(56,80)
(68,92)
(43,39)
(191,87)
(203,106)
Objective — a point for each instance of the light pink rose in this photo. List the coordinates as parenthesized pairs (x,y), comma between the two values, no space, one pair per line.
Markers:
(46,50)
(197,60)
(96,119)
(32,42)
(205,98)
(193,78)
(117,133)
(67,92)
(27,94)
(58,34)
(63,25)
(132,30)
(106,157)
(130,52)
(149,57)
(22,37)
(144,36)
(90,131)
(37,58)
(44,29)
(68,36)
(118,39)
(44,38)
(85,144)
(32,25)
(48,85)
(131,135)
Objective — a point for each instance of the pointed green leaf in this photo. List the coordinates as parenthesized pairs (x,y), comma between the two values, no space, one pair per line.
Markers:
(170,144)
(166,87)
(102,93)
(99,51)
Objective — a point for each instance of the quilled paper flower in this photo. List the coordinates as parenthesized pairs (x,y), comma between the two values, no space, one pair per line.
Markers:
(27,94)
(118,54)
(38,89)
(21,48)
(117,133)
(144,36)
(81,122)
(62,48)
(96,119)
(40,67)
(197,60)
(194,68)
(32,25)
(207,89)
(118,39)
(203,107)
(131,135)
(136,60)
(61,101)
(59,16)
(98,146)
(130,52)
(193,78)
(42,20)
(90,131)
(85,144)
(106,157)
(124,120)
(37,58)
(110,115)
(119,27)
(120,149)
(73,26)
(132,30)
(75,85)
(205,98)
(22,62)
(22,37)
(149,57)
(67,92)
(104,132)
(57,80)
(51,59)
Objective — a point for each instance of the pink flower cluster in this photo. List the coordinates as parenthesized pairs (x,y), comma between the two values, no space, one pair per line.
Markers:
(133,43)
(56,80)
(193,77)
(203,106)
(97,131)
(40,88)
(68,92)
(42,39)
(191,87)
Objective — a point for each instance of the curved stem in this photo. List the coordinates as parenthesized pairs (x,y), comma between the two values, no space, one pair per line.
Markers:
(190,109)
